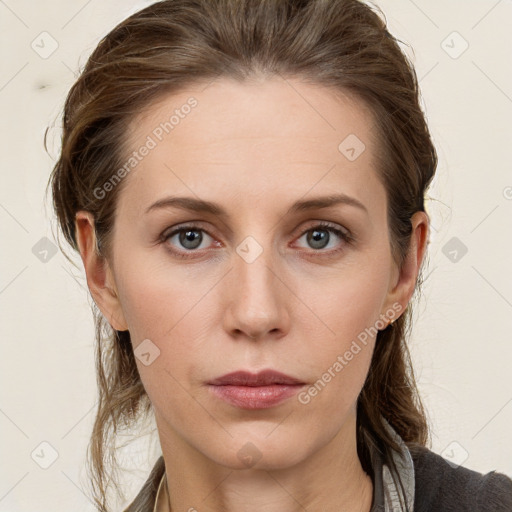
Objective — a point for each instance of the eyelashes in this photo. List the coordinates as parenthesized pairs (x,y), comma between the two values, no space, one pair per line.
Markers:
(191,237)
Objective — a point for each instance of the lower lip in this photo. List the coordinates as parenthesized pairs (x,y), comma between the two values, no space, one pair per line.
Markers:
(257,397)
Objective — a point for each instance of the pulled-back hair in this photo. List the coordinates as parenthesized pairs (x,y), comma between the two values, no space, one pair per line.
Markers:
(173,44)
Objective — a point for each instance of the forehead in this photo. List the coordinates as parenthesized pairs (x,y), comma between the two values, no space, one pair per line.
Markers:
(270,136)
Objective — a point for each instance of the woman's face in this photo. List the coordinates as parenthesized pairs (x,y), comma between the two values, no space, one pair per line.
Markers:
(253,282)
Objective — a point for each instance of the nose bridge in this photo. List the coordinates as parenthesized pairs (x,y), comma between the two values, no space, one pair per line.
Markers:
(256,303)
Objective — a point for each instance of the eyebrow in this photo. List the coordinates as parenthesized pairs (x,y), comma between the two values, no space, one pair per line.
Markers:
(199,205)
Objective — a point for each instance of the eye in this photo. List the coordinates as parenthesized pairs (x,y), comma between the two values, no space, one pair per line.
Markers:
(187,238)
(321,238)
(182,242)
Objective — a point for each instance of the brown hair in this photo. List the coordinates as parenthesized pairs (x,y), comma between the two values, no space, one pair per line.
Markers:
(342,44)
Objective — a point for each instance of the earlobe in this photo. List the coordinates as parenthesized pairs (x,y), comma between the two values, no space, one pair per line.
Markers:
(402,289)
(100,279)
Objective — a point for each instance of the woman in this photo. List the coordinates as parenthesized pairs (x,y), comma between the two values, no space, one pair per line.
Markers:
(245,181)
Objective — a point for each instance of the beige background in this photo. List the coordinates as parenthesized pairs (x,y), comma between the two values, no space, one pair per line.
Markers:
(462,344)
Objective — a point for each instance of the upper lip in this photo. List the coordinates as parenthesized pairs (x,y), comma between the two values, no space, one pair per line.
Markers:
(262,378)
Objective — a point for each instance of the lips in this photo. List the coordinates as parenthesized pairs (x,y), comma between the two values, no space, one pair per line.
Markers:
(263,378)
(262,390)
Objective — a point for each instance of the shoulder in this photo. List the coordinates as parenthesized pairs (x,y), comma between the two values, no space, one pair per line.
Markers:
(444,487)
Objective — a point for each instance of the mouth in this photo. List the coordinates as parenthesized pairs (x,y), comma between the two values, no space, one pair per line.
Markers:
(262,390)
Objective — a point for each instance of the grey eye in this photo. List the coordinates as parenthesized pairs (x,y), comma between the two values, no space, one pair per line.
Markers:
(190,238)
(318,238)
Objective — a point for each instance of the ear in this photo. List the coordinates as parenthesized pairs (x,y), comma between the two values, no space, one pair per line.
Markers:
(404,279)
(100,278)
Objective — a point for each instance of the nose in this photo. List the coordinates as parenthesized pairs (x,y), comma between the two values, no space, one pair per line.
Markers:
(257,300)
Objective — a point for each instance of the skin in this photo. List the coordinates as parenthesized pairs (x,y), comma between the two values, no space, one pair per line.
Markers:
(254,149)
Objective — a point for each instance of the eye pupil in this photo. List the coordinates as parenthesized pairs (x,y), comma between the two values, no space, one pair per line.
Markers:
(191,239)
(319,238)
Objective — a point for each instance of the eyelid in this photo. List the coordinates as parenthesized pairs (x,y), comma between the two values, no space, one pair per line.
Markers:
(325,224)
(192,225)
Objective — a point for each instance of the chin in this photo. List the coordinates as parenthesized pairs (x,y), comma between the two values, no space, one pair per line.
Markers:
(253,452)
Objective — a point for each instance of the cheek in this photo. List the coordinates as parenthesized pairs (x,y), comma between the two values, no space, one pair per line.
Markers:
(340,348)
(174,312)
(351,302)
(157,298)
(341,365)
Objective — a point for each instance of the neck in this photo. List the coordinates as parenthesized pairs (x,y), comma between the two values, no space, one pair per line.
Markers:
(331,479)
